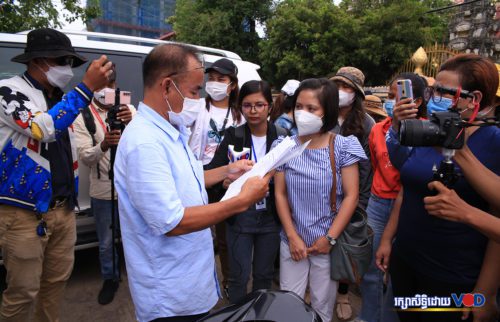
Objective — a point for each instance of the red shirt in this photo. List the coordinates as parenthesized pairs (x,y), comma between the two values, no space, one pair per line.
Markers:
(386,183)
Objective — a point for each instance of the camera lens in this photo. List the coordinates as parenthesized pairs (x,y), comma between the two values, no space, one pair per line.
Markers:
(419,133)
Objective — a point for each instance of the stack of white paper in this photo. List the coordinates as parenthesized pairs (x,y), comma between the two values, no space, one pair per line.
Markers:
(281,154)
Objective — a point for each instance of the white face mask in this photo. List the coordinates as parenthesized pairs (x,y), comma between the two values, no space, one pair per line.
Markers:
(59,76)
(183,119)
(216,90)
(100,95)
(190,111)
(307,123)
(345,98)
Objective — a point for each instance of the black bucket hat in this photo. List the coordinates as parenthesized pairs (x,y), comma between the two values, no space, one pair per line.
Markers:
(48,43)
(223,66)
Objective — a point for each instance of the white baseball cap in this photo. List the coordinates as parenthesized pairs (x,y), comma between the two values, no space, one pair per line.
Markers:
(290,87)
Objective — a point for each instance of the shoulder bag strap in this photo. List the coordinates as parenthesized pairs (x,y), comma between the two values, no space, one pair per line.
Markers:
(89,121)
(333,193)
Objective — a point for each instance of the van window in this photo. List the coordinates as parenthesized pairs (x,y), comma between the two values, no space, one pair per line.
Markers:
(128,68)
(10,69)
(128,71)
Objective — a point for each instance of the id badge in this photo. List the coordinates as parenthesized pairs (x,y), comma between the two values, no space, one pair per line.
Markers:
(261,204)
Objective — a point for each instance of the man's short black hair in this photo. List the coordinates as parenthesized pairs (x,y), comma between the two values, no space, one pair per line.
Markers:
(166,59)
(328,97)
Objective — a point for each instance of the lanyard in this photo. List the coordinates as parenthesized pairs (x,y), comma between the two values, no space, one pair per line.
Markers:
(214,127)
(253,150)
(99,119)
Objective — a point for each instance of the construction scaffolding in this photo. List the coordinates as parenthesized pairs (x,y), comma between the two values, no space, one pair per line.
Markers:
(141,18)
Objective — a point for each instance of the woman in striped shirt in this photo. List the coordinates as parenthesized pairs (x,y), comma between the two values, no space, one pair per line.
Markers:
(303,189)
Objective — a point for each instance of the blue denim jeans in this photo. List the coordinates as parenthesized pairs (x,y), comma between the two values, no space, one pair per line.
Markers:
(377,305)
(253,242)
(101,209)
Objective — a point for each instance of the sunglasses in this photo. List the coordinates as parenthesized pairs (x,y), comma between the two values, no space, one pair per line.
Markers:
(436,93)
(63,61)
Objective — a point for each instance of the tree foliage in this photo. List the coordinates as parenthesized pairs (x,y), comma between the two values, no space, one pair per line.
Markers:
(22,15)
(313,38)
(225,24)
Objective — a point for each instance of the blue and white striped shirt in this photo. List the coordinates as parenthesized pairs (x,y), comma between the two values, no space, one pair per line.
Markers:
(309,183)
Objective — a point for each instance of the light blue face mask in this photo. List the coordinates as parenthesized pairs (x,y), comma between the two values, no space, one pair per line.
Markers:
(389,106)
(442,106)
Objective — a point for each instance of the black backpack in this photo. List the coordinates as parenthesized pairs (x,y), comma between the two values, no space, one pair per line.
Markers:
(88,119)
(239,133)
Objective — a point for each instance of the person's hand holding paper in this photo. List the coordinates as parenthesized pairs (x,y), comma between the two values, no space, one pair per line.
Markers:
(286,150)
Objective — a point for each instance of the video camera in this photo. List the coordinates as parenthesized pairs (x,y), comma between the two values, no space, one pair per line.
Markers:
(444,129)
(117,98)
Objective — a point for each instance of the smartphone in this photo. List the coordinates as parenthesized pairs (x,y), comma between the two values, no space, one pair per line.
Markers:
(109,97)
(405,89)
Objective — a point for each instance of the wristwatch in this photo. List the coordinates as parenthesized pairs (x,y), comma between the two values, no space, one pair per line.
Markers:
(331,240)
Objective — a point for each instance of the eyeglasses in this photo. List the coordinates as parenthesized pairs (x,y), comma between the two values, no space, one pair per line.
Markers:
(436,93)
(258,106)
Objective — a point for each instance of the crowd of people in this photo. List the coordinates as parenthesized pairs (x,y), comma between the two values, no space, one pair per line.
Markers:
(179,153)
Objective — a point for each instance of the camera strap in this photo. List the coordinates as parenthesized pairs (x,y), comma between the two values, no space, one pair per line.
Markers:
(98,117)
(89,115)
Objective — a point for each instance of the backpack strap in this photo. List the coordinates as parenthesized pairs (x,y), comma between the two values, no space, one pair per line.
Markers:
(281,131)
(88,119)
(333,193)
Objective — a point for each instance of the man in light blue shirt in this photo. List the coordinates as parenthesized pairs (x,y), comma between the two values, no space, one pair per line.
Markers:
(162,199)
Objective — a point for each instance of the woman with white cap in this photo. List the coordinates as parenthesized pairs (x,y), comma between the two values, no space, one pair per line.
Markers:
(282,112)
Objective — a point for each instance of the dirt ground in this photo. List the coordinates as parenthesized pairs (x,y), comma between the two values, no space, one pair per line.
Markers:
(80,300)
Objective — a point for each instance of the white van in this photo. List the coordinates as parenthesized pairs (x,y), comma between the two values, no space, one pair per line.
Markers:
(128,54)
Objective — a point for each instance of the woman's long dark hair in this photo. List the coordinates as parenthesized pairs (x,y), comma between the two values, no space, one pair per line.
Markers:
(233,98)
(282,104)
(354,124)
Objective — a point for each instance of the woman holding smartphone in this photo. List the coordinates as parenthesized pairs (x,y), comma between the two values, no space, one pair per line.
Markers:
(385,188)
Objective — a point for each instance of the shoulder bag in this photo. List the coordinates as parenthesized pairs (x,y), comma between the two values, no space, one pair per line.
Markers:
(350,257)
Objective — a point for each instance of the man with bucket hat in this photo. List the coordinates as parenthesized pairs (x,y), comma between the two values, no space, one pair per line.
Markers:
(38,173)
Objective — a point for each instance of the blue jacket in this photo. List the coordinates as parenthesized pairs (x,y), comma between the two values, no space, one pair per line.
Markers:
(26,124)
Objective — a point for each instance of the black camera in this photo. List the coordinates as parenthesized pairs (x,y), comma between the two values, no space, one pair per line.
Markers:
(112,118)
(444,129)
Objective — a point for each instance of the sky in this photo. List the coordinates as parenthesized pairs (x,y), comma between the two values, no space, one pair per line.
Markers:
(77,25)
